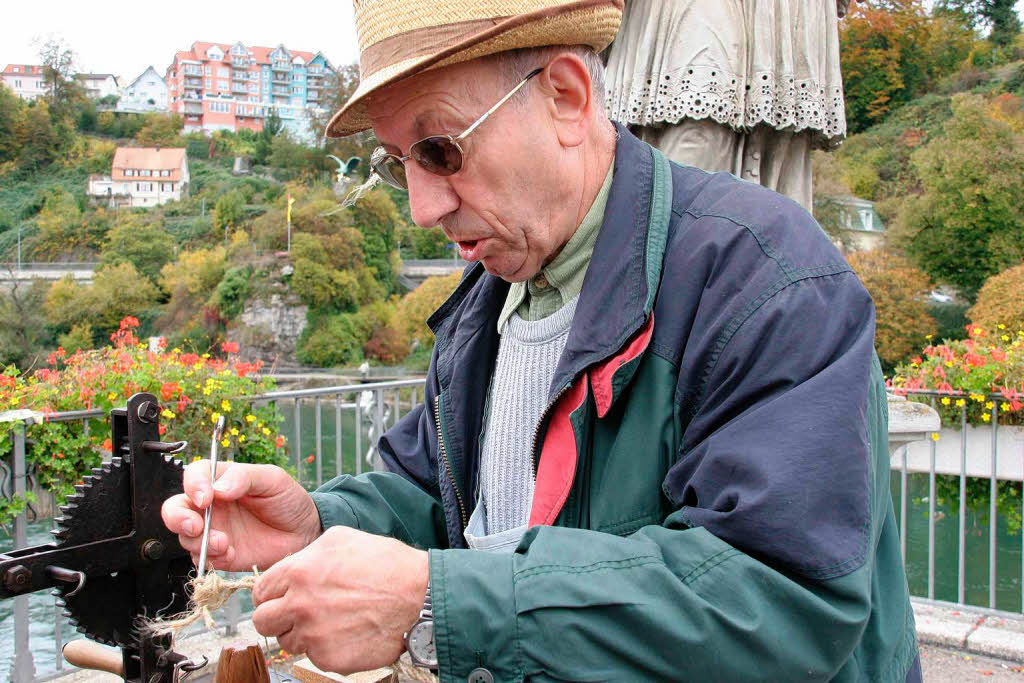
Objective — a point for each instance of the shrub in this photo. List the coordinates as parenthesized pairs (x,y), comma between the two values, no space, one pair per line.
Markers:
(232,291)
(387,346)
(900,292)
(117,291)
(147,246)
(1001,300)
(330,341)
(80,338)
(324,288)
(194,391)
(420,303)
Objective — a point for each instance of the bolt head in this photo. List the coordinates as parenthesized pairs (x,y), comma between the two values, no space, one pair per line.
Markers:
(149,411)
(17,578)
(152,550)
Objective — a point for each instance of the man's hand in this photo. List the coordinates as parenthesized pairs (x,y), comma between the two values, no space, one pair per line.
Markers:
(346,600)
(260,515)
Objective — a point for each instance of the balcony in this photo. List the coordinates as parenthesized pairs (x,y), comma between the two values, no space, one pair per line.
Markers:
(239,75)
(313,96)
(281,66)
(240,61)
(193,108)
(240,88)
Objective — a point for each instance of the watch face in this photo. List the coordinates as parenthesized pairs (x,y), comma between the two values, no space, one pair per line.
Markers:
(420,642)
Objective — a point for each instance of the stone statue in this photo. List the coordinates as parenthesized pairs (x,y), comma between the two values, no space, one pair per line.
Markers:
(745,86)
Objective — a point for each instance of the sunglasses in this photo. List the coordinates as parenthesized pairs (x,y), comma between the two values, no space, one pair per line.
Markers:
(438,154)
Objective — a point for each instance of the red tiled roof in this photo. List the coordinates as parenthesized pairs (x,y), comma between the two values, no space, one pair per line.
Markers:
(28,69)
(148,158)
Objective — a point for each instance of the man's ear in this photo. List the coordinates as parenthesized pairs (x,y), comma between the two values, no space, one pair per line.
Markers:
(566,84)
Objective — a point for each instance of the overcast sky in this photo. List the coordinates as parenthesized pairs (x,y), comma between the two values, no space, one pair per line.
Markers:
(124,38)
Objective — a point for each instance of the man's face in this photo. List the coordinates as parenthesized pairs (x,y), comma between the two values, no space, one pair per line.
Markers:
(506,206)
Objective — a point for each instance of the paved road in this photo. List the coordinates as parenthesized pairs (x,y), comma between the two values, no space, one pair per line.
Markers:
(948,666)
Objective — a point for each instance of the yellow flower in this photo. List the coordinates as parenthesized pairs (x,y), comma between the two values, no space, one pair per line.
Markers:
(112,396)
(234,431)
(1005,407)
(977,330)
(225,442)
(986,417)
(927,336)
(250,418)
(960,403)
(988,406)
(197,458)
(241,438)
(225,405)
(205,355)
(167,414)
(945,400)
(935,436)
(207,391)
(175,350)
(1001,326)
(259,424)
(214,417)
(949,363)
(978,397)
(197,365)
(1005,337)
(266,432)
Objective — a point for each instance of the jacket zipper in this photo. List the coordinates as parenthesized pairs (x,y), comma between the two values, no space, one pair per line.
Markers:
(540,423)
(447,462)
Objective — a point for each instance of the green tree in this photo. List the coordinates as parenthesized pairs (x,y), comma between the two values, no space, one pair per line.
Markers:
(377,217)
(1000,302)
(229,210)
(330,341)
(116,291)
(145,245)
(65,93)
(22,323)
(12,122)
(998,16)
(40,141)
(968,223)
(59,224)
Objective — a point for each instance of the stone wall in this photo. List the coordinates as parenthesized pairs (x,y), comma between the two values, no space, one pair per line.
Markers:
(268,329)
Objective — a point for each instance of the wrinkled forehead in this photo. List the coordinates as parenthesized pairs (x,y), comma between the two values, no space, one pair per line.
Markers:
(426,103)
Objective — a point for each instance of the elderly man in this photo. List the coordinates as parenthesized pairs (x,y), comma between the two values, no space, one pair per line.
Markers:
(653,445)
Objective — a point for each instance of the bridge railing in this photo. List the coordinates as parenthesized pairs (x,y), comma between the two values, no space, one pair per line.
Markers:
(334,430)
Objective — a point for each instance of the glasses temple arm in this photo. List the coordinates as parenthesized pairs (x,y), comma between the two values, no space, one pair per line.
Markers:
(500,102)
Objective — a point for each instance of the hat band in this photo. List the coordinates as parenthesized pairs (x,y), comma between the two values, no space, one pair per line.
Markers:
(445,40)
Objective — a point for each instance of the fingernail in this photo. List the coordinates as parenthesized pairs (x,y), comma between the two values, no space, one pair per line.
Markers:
(221,486)
(186,527)
(199,497)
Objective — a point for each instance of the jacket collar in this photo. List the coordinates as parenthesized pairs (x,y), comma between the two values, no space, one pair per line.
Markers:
(624,272)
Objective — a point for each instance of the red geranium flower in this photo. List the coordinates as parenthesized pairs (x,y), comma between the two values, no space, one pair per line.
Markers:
(229,347)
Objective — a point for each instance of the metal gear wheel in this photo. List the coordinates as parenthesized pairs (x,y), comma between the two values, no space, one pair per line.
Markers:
(106,606)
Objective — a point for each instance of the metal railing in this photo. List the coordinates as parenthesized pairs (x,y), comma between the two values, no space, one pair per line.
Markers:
(367,409)
(361,412)
(937,457)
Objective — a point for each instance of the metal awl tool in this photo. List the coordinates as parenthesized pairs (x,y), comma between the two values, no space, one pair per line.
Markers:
(218,432)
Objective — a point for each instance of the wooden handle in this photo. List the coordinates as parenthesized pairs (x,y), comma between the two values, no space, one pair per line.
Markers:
(86,654)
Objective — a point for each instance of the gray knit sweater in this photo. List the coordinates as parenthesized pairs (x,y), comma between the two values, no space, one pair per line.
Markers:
(527,357)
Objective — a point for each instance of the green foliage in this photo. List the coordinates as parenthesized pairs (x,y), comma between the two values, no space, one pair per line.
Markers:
(1001,301)
(420,243)
(999,16)
(331,340)
(420,304)
(80,338)
(117,291)
(233,290)
(968,223)
(376,216)
(22,323)
(146,245)
(228,211)
(324,289)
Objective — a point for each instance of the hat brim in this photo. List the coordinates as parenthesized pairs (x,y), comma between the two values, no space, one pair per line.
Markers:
(586,22)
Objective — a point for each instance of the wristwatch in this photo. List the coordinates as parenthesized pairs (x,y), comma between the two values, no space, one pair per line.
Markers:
(419,641)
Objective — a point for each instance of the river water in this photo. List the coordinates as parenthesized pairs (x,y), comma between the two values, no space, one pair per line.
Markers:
(1008,556)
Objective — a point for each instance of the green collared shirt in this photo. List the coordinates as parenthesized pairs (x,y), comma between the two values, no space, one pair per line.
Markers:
(562,279)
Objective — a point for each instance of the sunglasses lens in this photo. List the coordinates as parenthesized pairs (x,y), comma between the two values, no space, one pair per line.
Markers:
(437,155)
(392,171)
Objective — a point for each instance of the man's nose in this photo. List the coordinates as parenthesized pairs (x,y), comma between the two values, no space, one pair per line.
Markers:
(431,197)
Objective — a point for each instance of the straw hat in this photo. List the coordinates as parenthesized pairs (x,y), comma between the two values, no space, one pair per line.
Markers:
(399,38)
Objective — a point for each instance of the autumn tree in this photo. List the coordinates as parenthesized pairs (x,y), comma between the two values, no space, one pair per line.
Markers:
(160,130)
(1001,301)
(12,118)
(900,291)
(968,223)
(146,245)
(892,51)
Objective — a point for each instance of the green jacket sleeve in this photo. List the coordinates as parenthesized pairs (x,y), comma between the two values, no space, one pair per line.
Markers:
(383,503)
(667,603)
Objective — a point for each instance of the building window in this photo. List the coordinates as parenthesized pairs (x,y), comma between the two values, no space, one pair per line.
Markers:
(222,85)
(17,84)
(223,72)
(209,84)
(129,172)
(206,70)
